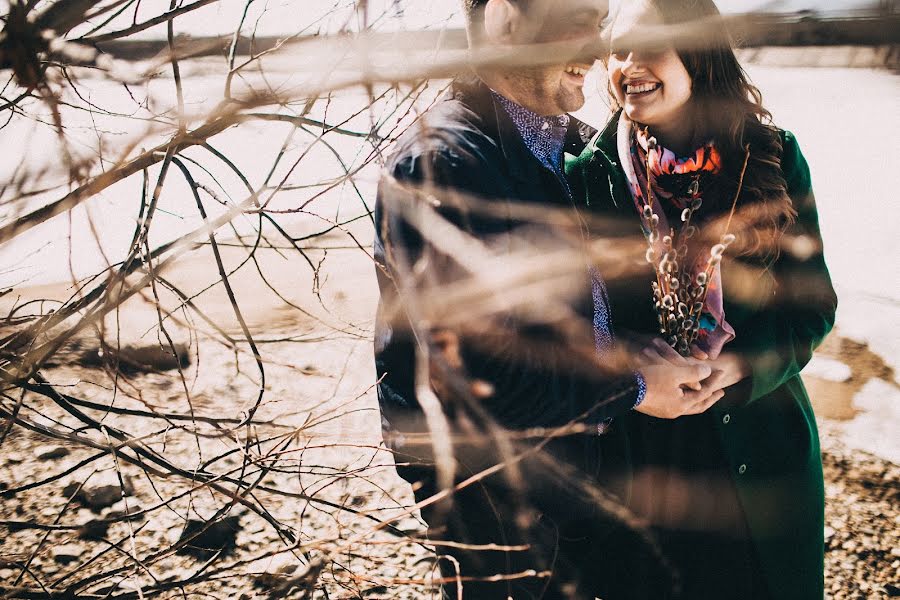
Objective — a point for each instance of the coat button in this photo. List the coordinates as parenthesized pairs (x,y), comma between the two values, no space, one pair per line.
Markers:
(742,469)
(726,419)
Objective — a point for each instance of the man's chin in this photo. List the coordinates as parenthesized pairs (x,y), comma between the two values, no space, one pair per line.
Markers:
(571,101)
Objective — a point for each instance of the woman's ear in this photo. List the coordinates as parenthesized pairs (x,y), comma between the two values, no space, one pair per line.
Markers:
(500,20)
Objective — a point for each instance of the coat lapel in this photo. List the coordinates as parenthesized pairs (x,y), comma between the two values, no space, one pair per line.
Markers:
(533,182)
(606,145)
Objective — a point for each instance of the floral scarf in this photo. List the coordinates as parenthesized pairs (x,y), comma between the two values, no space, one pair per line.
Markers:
(635,152)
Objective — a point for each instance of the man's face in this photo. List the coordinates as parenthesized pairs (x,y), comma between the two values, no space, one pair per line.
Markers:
(557,88)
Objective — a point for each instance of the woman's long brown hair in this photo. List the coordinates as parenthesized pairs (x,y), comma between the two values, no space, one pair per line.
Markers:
(728,108)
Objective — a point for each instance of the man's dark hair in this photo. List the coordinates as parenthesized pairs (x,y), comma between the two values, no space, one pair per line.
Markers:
(474,8)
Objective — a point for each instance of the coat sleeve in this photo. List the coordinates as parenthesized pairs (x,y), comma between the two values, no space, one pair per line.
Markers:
(538,380)
(778,340)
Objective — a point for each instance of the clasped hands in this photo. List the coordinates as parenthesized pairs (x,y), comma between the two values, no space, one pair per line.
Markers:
(676,385)
(679,386)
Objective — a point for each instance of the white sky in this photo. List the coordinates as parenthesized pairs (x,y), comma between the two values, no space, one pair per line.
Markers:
(282,17)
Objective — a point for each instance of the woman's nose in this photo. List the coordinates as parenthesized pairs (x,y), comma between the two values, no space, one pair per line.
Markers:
(632,62)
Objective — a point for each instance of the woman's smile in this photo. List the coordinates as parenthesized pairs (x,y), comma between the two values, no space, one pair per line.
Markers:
(652,85)
(640,89)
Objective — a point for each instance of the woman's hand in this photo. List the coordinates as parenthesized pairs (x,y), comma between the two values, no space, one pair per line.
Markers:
(679,394)
(658,351)
(728,369)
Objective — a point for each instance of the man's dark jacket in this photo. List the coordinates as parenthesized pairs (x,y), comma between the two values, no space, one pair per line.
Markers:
(467,146)
(455,191)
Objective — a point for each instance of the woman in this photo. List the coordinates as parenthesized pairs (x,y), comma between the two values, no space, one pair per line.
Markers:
(734,275)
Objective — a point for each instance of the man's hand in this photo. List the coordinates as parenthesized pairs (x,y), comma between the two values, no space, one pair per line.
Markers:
(446,363)
(666,397)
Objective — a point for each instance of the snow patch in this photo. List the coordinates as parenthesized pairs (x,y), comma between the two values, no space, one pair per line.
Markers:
(875,429)
(828,369)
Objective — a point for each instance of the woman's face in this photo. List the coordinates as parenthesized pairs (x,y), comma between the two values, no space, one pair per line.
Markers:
(652,86)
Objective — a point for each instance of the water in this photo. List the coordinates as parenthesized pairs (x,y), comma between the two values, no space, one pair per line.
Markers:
(844,119)
(847,125)
(67,244)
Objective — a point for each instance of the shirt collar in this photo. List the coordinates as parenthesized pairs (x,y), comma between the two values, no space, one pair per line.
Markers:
(544,136)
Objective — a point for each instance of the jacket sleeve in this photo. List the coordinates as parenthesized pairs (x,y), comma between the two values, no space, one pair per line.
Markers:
(538,380)
(778,340)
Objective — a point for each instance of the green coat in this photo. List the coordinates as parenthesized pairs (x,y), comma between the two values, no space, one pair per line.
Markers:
(766,423)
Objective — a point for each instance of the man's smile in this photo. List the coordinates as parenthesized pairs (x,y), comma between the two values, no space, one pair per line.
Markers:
(577,73)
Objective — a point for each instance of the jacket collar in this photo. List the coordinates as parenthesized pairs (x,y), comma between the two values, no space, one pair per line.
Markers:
(607,141)
(605,146)
(498,125)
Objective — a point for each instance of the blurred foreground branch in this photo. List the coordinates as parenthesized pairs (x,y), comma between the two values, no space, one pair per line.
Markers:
(191,410)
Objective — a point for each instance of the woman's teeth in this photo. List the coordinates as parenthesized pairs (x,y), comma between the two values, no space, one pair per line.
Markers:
(641,88)
(577,71)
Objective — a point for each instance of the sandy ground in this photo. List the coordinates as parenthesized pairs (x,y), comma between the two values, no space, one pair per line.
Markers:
(318,409)
(323,420)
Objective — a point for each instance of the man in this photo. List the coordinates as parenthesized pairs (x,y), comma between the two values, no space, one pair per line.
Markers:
(466,352)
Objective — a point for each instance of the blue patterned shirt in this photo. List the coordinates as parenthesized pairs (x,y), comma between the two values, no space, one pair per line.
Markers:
(545,137)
